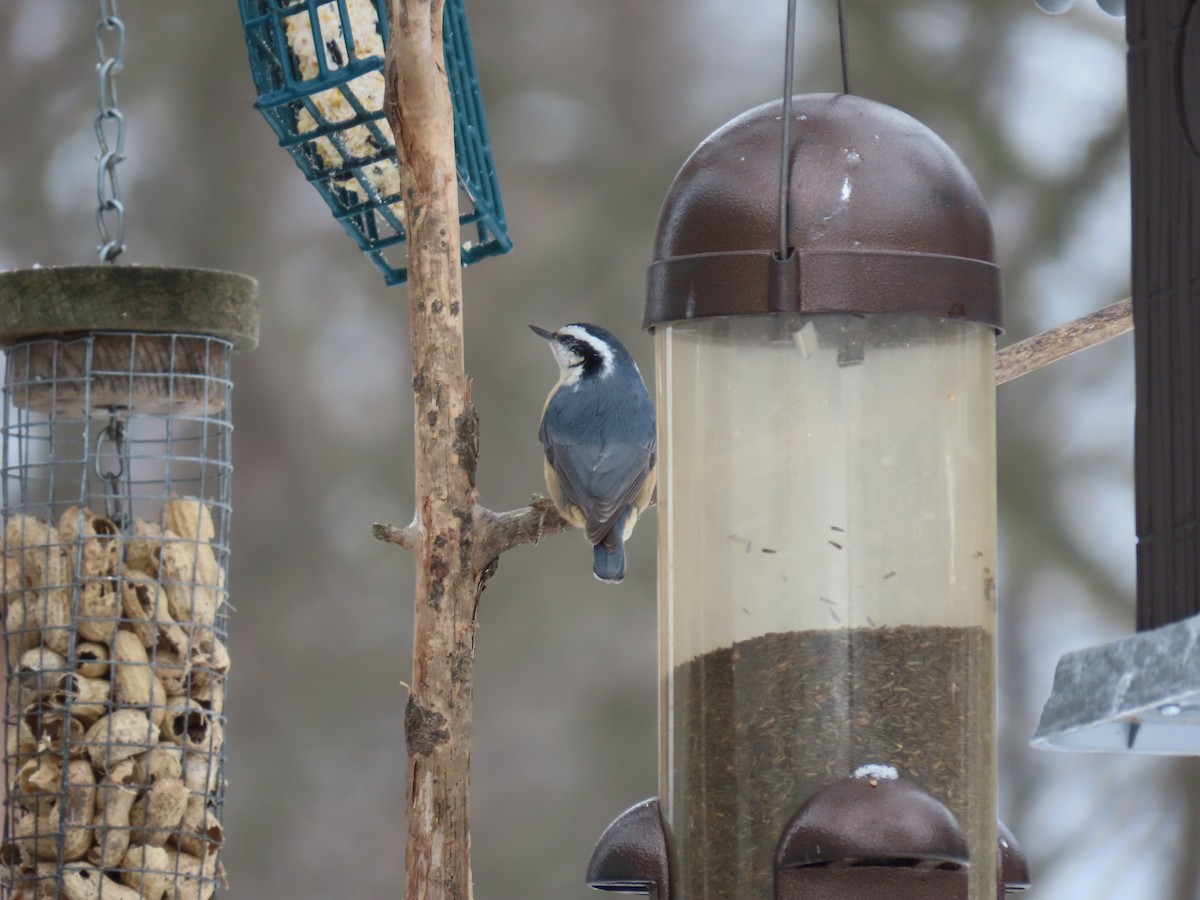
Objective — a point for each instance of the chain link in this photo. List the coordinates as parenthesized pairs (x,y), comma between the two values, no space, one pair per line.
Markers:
(110,133)
(114,488)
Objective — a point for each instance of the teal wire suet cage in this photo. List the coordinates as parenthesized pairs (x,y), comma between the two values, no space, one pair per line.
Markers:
(318,67)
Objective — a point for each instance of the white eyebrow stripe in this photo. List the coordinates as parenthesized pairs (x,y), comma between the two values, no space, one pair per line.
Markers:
(601,348)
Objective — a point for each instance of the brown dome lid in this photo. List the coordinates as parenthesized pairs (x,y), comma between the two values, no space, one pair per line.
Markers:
(883,218)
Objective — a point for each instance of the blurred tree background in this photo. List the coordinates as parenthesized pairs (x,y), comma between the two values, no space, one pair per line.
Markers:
(592,108)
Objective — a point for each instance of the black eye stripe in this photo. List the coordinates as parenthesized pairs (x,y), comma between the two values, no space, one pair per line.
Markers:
(590,358)
(580,348)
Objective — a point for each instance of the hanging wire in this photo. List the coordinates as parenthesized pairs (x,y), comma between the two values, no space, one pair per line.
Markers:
(785,164)
(110,134)
(842,41)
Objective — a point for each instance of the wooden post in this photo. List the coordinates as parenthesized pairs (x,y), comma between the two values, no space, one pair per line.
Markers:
(456,543)
(438,716)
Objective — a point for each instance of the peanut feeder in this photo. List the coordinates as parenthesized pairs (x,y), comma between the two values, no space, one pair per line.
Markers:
(113,560)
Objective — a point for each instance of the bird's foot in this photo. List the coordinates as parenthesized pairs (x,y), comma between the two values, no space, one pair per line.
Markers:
(543,505)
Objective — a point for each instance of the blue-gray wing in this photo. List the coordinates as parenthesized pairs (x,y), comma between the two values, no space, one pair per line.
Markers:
(601,479)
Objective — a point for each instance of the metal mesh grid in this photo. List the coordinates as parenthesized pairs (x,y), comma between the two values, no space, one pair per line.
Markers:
(116,494)
(327,109)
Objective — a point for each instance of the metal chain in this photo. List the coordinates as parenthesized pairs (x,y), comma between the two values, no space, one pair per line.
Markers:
(110,134)
(115,492)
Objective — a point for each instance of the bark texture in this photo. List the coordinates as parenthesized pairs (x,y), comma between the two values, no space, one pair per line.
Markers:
(456,543)
(1061,341)
(438,716)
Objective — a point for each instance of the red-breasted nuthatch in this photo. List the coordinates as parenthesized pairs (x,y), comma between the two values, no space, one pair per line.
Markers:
(598,432)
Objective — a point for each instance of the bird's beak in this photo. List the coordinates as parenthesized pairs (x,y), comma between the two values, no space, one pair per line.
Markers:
(543,333)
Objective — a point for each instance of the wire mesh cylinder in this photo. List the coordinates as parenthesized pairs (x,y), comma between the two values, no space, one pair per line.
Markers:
(116,496)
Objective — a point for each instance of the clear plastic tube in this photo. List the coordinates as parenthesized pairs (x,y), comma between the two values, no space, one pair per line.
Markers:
(827,596)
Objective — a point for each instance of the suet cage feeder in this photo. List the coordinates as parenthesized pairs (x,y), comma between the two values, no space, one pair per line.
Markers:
(827,513)
(323,95)
(116,513)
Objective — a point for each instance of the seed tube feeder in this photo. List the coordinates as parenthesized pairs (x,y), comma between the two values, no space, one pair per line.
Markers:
(116,511)
(827,504)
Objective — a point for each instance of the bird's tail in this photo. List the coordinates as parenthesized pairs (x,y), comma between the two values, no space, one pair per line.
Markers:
(608,556)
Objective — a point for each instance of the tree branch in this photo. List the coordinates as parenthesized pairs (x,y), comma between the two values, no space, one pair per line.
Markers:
(504,531)
(408,537)
(1061,341)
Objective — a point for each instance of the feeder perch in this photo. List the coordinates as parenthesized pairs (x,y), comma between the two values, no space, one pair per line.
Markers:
(322,92)
(116,509)
(827,486)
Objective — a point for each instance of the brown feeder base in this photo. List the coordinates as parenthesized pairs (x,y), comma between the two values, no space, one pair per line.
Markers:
(844,844)
(175,309)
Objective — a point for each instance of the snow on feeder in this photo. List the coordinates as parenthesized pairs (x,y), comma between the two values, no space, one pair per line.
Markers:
(116,507)
(318,68)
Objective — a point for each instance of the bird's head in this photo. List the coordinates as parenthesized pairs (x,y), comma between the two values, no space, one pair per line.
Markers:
(584,351)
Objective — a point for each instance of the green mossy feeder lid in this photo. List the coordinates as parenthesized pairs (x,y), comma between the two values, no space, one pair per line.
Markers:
(167,369)
(49,302)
